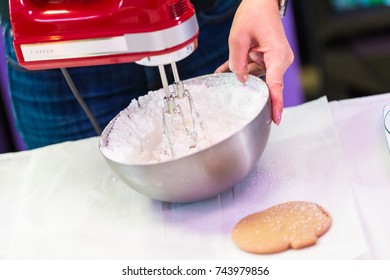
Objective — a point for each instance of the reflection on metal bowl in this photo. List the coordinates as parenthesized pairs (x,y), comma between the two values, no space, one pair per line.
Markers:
(205,173)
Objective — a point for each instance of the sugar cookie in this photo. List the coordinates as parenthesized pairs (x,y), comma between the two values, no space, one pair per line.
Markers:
(294,224)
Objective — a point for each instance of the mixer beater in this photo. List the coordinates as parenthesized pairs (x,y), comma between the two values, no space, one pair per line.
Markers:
(172,109)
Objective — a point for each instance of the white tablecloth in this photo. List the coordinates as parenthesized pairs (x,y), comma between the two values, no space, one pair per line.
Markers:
(63,201)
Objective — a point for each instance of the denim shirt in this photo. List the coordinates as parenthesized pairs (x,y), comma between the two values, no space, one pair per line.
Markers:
(4,14)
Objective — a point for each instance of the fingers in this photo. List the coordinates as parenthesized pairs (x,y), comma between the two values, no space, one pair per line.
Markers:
(256,69)
(257,43)
(253,69)
(256,66)
(276,94)
(223,68)
(274,80)
(277,62)
(274,77)
(239,44)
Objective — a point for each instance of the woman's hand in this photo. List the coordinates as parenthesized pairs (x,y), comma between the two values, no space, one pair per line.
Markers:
(258,46)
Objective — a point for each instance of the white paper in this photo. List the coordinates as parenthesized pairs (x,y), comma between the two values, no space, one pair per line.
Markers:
(73,207)
(363,142)
(11,183)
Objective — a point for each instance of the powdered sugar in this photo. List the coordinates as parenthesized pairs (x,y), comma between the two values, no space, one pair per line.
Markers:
(224,106)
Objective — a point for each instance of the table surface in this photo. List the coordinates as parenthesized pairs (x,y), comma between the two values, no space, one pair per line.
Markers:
(64,202)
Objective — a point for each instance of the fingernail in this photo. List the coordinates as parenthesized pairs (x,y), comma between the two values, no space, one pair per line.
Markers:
(278,119)
(242,78)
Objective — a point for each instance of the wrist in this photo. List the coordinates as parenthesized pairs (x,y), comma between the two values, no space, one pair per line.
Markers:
(282,7)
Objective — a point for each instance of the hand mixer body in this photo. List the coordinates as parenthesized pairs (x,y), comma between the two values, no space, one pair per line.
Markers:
(69,33)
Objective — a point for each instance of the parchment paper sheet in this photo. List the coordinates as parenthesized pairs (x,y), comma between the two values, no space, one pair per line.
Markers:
(71,206)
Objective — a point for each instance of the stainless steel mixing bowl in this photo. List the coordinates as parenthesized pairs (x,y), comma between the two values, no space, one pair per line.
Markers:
(205,173)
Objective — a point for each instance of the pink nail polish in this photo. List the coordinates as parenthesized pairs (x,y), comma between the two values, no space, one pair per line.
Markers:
(278,119)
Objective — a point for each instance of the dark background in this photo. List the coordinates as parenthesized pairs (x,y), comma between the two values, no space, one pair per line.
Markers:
(344,47)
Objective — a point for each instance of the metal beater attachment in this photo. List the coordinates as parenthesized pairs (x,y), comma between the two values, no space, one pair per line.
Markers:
(172,110)
(181,92)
